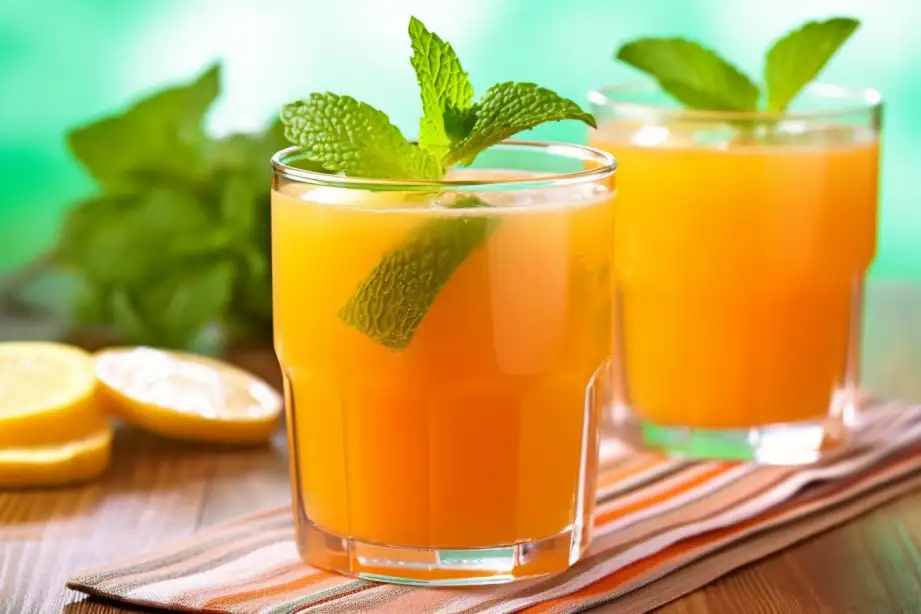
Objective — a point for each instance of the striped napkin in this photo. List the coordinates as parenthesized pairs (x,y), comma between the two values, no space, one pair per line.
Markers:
(664,527)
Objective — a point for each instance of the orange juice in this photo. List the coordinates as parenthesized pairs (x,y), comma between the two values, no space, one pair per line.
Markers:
(738,270)
(482,430)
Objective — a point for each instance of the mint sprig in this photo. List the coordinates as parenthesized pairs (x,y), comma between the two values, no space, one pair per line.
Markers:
(701,79)
(344,135)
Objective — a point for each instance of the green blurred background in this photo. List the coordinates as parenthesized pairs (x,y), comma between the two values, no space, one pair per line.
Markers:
(63,63)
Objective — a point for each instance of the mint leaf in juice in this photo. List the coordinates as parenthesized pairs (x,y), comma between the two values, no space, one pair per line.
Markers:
(390,312)
(344,135)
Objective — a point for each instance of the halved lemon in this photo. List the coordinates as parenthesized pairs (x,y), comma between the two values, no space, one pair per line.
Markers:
(46,394)
(58,464)
(186,397)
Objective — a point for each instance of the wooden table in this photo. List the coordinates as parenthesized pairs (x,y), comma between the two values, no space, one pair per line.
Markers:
(159,490)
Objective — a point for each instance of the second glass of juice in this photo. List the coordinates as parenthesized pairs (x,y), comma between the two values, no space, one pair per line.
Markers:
(741,245)
(446,352)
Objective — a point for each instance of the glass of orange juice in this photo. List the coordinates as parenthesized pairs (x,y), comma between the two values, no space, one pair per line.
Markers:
(446,351)
(741,244)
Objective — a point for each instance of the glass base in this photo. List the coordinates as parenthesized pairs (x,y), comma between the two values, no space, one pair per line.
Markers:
(792,443)
(439,566)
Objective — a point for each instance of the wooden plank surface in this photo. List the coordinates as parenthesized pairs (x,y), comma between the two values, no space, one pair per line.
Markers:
(159,490)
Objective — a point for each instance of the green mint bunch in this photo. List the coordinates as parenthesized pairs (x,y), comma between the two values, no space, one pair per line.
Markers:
(701,79)
(343,135)
(177,238)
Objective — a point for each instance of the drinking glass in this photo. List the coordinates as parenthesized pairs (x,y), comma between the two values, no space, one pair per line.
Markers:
(741,244)
(446,352)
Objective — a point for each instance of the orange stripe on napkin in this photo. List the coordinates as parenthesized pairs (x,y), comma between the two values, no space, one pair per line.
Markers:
(660,497)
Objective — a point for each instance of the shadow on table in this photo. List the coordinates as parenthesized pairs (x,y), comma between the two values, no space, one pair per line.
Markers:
(144,461)
(26,512)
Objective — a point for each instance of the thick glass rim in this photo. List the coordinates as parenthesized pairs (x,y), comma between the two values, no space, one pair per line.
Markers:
(603,165)
(854,100)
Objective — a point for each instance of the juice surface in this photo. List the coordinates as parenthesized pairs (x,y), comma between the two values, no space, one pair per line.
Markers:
(737,275)
(474,435)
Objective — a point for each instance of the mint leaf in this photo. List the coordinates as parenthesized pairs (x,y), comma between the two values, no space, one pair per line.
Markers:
(93,305)
(134,328)
(241,176)
(459,122)
(797,58)
(253,292)
(237,205)
(391,302)
(121,239)
(507,109)
(247,152)
(153,263)
(692,74)
(195,299)
(445,88)
(163,131)
(355,138)
(245,216)
(173,310)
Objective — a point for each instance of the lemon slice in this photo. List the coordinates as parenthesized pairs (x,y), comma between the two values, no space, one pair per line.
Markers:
(59,464)
(46,394)
(186,397)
